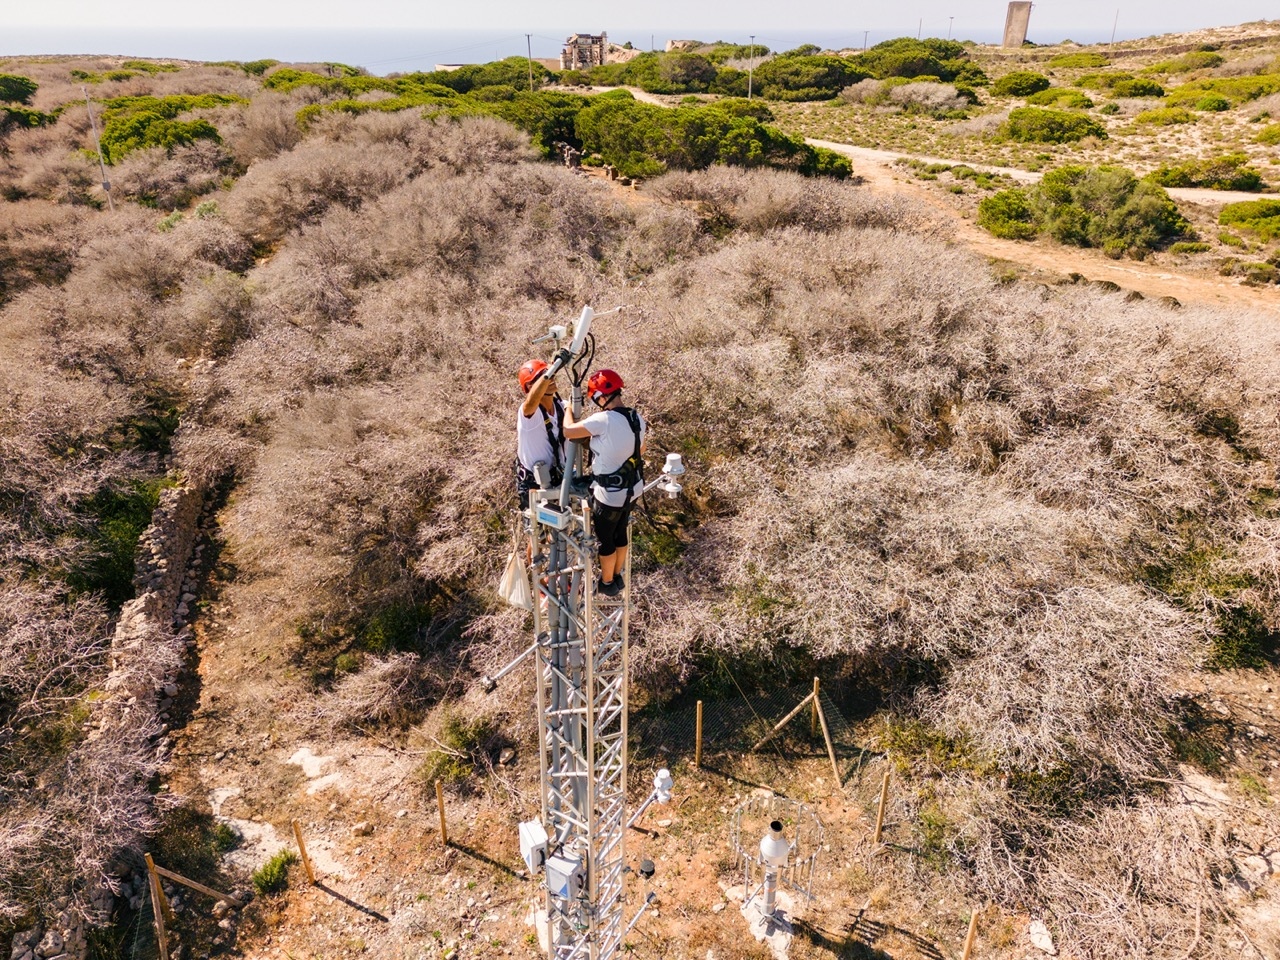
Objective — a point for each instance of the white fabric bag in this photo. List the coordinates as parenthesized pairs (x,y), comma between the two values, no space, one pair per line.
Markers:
(514,586)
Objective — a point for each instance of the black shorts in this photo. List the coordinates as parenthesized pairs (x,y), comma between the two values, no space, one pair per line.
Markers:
(610,524)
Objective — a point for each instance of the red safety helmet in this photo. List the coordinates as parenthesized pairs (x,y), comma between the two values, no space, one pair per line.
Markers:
(530,372)
(603,384)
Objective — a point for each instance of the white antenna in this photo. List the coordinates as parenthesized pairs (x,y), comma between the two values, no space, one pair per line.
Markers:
(106,184)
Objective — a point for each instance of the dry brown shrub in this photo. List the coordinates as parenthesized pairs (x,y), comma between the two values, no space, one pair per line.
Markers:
(391,691)
(211,239)
(38,244)
(169,179)
(267,127)
(295,188)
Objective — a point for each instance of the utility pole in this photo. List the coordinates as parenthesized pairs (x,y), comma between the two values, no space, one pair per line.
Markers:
(751,63)
(920,29)
(1114,24)
(950,23)
(528,46)
(106,184)
(865,34)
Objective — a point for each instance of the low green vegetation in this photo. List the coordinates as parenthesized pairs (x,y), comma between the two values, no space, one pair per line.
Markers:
(1212,104)
(1083,59)
(1260,217)
(15,89)
(462,744)
(1191,246)
(644,140)
(1037,125)
(1137,87)
(1105,80)
(802,74)
(1229,172)
(1165,117)
(1195,60)
(1060,97)
(273,876)
(135,123)
(1270,134)
(1238,90)
(1020,83)
(1105,207)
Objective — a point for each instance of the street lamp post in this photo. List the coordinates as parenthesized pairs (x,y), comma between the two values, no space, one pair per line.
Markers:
(751,63)
(950,22)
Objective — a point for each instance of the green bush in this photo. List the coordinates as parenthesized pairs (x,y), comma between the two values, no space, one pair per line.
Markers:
(797,78)
(1213,104)
(643,140)
(1261,217)
(1190,246)
(1103,81)
(117,75)
(1229,172)
(1069,60)
(1137,88)
(273,876)
(1165,116)
(122,135)
(908,57)
(1021,83)
(463,744)
(15,89)
(147,66)
(1036,125)
(14,116)
(1236,89)
(1007,214)
(1270,134)
(1195,60)
(1060,97)
(1105,207)
(1110,109)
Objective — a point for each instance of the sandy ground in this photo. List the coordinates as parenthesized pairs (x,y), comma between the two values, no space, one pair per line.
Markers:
(876,167)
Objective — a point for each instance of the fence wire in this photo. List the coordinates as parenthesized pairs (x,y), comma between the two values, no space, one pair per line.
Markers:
(142,936)
(732,724)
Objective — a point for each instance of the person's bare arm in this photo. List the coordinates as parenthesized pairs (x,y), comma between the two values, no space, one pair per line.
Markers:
(533,399)
(573,429)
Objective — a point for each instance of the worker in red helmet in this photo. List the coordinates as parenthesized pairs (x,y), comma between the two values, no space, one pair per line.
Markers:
(539,435)
(616,433)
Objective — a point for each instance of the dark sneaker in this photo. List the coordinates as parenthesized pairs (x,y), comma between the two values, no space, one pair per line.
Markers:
(611,589)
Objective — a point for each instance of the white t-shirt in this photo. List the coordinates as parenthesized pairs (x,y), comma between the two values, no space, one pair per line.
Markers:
(612,443)
(532,444)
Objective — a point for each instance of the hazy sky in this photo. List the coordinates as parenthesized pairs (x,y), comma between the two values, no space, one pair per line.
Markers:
(727,17)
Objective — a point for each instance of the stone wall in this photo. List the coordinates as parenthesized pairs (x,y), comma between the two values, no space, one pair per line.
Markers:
(147,656)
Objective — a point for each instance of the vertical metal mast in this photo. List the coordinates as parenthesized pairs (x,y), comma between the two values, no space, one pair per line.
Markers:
(582,721)
(581,670)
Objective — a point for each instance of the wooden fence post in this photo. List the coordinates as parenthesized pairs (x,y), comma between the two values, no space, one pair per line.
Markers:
(970,936)
(884,798)
(302,849)
(444,831)
(813,714)
(158,908)
(697,739)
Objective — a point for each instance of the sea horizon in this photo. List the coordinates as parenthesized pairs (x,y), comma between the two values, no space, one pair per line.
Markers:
(382,51)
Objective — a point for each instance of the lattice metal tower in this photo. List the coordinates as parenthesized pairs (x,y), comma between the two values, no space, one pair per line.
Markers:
(580,655)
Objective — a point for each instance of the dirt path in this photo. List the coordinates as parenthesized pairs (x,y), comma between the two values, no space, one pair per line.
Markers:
(876,167)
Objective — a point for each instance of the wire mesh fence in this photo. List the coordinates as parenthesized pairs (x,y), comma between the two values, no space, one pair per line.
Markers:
(140,938)
(733,724)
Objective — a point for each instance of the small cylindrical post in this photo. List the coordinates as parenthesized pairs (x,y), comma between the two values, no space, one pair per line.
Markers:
(302,849)
(444,831)
(697,739)
(970,936)
(813,714)
(884,799)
